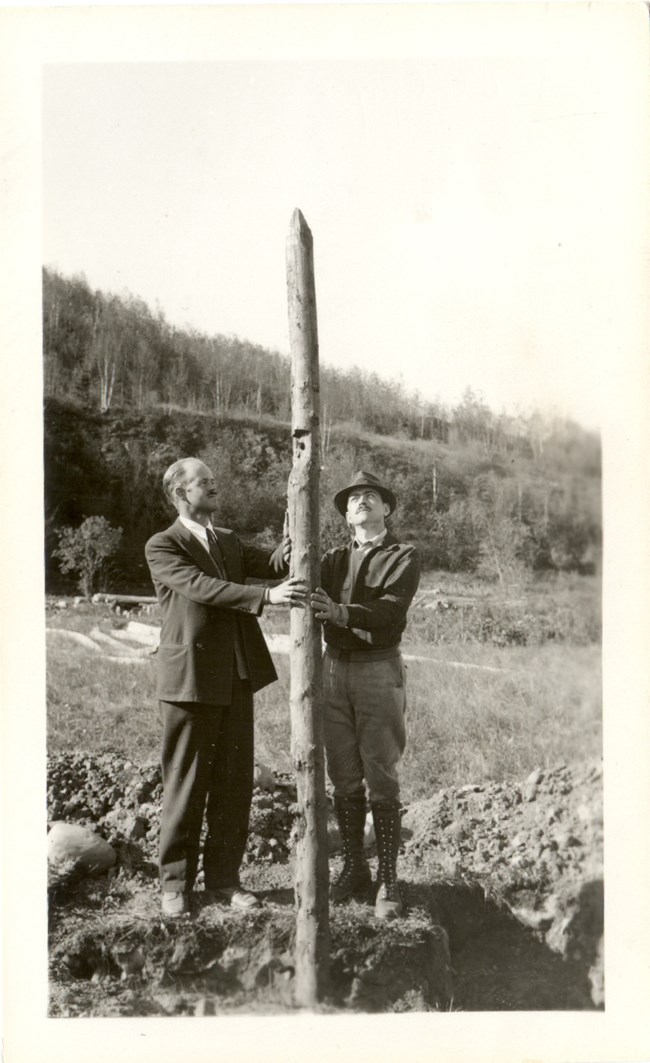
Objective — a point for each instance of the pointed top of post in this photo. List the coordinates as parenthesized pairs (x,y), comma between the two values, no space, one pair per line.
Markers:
(299,228)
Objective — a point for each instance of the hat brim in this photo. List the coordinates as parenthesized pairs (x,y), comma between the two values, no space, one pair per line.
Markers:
(341,497)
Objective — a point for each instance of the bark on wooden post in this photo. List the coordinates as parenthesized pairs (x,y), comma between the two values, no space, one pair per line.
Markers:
(311,876)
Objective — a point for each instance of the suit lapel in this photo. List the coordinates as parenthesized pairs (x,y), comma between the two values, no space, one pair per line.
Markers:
(196,549)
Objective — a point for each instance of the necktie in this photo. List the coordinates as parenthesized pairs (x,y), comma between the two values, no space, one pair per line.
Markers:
(215,552)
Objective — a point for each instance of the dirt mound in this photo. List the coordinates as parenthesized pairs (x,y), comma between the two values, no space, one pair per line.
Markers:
(532,849)
(122,800)
(508,876)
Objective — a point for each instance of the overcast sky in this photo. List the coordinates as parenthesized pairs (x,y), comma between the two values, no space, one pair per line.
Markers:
(468,213)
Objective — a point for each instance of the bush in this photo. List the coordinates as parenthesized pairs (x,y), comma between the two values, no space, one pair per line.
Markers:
(85,550)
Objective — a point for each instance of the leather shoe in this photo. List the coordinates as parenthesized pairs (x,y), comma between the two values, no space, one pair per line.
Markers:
(175,904)
(235,897)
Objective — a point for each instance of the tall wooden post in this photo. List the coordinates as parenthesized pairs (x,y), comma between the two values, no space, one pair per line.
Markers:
(311,875)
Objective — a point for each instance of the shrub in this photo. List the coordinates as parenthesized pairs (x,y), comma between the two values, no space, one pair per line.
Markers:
(85,550)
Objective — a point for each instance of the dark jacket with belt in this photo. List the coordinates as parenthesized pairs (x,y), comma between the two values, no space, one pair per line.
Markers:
(196,655)
(386,582)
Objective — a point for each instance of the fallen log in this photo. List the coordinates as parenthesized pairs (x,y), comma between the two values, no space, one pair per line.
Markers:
(125,599)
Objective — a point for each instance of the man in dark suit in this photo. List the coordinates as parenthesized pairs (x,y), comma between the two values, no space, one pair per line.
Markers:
(367,587)
(211,659)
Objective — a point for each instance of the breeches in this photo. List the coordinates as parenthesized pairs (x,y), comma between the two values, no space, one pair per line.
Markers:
(365,736)
(207,768)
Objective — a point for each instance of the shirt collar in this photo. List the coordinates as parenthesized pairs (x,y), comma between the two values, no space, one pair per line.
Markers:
(369,543)
(197,529)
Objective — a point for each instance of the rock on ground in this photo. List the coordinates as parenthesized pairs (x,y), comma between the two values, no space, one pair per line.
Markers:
(72,847)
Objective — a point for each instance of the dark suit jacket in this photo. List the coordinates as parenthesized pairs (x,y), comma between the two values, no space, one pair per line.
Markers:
(200,610)
(386,582)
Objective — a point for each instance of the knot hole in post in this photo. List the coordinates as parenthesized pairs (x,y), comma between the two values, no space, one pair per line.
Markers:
(299,432)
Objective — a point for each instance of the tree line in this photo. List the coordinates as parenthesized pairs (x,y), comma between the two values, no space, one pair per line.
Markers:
(109,352)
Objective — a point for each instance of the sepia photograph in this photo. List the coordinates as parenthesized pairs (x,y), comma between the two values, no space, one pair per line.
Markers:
(330,315)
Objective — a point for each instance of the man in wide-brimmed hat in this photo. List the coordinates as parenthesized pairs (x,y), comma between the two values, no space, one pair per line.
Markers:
(367,587)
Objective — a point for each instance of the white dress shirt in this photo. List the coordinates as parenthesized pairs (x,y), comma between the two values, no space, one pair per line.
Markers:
(198,530)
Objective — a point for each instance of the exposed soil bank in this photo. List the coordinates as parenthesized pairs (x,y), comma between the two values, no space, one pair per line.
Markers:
(502,883)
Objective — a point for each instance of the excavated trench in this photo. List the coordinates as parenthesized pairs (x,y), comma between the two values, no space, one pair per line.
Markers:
(454,949)
(498,964)
(472,938)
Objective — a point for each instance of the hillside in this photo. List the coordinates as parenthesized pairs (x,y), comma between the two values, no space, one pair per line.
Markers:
(487,513)
(126,394)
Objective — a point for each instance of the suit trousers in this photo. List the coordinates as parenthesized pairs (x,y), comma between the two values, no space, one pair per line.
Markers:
(207,768)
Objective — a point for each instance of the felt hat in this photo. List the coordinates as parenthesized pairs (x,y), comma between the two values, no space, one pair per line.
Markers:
(363,479)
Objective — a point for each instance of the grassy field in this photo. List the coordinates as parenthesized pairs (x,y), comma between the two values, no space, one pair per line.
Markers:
(476,710)
(467,724)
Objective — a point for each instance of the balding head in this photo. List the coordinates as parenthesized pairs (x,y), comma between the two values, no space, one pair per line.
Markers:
(189,486)
(176,476)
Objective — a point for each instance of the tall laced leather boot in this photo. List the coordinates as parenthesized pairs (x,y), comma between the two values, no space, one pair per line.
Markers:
(386,818)
(354,879)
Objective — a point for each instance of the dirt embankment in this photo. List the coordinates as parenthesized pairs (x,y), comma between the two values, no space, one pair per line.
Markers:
(502,883)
